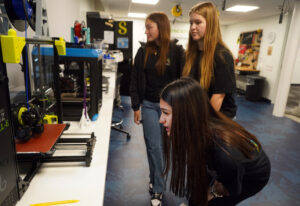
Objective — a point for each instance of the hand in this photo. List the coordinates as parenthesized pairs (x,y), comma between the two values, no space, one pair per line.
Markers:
(209,196)
(137,117)
(216,101)
(220,189)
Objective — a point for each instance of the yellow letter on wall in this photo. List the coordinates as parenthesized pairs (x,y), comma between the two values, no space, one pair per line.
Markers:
(123,29)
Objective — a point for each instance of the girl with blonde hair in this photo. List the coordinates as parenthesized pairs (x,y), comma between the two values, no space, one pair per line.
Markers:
(208,60)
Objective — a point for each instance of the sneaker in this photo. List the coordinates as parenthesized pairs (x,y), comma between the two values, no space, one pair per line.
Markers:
(156,199)
(150,188)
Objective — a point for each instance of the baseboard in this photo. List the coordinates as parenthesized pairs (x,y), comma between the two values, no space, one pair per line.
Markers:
(295,84)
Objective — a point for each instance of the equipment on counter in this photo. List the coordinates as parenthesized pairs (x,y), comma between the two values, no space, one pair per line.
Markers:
(12,186)
(33,12)
(27,121)
(20,10)
(50,119)
(35,151)
(17,13)
(69,84)
(9,190)
(40,150)
(80,34)
(79,64)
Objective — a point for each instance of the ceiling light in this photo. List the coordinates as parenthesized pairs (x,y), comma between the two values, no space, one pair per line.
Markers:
(240,8)
(137,15)
(153,2)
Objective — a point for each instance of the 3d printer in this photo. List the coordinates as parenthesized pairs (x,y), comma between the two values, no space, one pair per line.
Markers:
(79,68)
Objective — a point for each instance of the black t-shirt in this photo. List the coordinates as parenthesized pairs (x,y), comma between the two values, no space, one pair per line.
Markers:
(223,80)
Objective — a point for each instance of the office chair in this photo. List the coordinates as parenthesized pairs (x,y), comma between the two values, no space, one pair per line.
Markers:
(116,123)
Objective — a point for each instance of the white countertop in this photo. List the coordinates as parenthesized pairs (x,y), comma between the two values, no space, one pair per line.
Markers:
(75,181)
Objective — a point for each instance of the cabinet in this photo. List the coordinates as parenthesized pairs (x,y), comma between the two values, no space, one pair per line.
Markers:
(251,85)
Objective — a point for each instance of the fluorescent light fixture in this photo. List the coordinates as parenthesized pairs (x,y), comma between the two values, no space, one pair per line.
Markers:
(137,15)
(153,2)
(240,8)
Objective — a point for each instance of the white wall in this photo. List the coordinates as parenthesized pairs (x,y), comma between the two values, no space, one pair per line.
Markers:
(296,73)
(85,6)
(269,65)
(61,17)
(138,34)
(180,31)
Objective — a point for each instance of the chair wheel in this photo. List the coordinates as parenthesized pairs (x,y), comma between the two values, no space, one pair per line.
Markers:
(128,136)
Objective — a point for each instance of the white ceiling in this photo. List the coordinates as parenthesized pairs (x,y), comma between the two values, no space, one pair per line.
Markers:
(120,8)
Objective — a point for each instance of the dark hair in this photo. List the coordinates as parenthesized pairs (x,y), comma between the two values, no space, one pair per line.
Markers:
(164,28)
(195,127)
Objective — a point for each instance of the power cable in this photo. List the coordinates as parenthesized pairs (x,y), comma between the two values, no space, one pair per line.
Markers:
(281,13)
(224,5)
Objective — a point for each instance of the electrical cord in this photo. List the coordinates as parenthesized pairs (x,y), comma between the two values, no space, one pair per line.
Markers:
(224,5)
(281,13)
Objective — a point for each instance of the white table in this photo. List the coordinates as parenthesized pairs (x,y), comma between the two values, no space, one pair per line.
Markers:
(74,181)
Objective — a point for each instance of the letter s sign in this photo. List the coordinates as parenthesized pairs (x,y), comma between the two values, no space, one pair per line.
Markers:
(122,28)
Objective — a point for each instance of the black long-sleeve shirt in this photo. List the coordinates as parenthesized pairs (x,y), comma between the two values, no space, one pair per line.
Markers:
(154,82)
(145,83)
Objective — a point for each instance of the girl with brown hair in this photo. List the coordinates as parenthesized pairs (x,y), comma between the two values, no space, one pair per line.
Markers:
(208,60)
(157,63)
(213,160)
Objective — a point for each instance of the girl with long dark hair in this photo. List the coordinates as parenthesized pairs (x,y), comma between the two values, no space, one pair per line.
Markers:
(213,160)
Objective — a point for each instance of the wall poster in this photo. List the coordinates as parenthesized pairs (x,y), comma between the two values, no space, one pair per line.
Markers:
(249,49)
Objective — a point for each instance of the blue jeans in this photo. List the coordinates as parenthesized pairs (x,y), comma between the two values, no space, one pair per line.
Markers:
(153,139)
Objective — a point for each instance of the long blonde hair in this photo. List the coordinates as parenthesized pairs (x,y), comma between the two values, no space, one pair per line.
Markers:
(211,39)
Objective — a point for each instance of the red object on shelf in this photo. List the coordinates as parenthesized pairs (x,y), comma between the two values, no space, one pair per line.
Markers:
(242,48)
(77,30)
(42,142)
